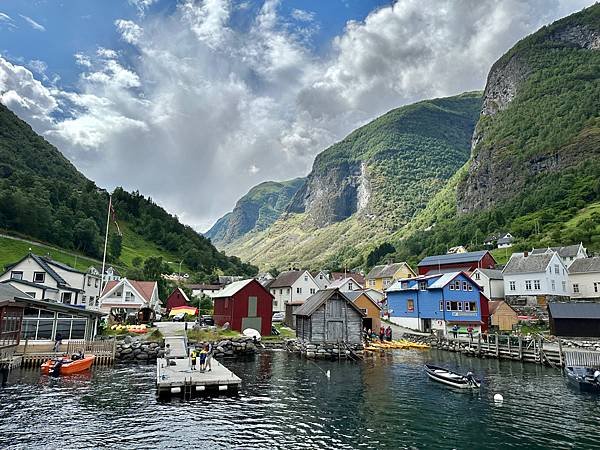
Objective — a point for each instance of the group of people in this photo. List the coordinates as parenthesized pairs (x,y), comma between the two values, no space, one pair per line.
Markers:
(456,328)
(204,354)
(385,334)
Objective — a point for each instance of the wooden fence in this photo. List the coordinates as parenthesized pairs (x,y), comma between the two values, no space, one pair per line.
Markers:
(36,355)
(582,358)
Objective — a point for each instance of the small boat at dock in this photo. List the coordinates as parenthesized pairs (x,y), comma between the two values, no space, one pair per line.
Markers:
(585,378)
(451,378)
(67,366)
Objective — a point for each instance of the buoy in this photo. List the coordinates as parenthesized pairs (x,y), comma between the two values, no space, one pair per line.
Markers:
(498,398)
(328,374)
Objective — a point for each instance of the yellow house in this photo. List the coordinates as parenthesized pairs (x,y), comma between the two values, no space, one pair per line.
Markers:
(382,277)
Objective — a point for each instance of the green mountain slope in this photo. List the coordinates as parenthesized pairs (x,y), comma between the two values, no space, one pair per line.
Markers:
(44,197)
(368,185)
(255,211)
(535,166)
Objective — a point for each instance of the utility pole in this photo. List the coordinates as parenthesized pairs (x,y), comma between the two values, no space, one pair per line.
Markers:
(105,243)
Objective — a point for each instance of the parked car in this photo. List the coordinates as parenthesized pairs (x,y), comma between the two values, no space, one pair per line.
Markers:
(208,321)
(179,317)
(278,317)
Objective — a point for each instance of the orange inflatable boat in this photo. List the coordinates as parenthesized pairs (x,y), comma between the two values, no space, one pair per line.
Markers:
(67,366)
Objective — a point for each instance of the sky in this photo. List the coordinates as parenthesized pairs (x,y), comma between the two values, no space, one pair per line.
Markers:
(193,102)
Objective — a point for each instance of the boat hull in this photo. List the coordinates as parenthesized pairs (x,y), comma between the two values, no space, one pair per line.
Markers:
(450,378)
(579,377)
(69,367)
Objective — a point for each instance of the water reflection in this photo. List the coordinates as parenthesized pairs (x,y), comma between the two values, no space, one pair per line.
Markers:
(288,402)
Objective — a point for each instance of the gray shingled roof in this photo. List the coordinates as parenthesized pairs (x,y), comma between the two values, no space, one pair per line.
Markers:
(574,310)
(353,296)
(30,283)
(8,292)
(492,274)
(286,279)
(313,302)
(454,258)
(527,264)
(384,271)
(232,288)
(568,251)
(585,265)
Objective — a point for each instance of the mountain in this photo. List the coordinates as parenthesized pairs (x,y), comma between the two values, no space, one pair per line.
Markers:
(44,197)
(368,185)
(255,211)
(535,159)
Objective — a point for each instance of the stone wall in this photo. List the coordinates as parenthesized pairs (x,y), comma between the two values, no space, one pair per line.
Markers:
(237,346)
(325,350)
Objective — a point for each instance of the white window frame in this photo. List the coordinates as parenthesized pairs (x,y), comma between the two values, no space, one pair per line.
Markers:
(43,274)
(512,286)
(537,285)
(553,285)
(576,288)
(527,285)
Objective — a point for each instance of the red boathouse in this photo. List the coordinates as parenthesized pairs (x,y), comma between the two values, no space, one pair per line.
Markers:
(177,298)
(244,304)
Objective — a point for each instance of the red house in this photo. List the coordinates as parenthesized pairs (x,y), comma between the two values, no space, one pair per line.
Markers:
(177,298)
(465,262)
(244,304)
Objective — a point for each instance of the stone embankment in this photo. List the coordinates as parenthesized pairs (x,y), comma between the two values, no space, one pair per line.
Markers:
(325,350)
(136,349)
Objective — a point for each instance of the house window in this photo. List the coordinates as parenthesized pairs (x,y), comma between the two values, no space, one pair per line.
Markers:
(39,277)
(422,285)
(287,290)
(596,287)
(451,286)
(457,285)
(512,286)
(564,286)
(441,305)
(89,281)
(404,285)
(467,306)
(576,289)
(96,283)
(528,285)
(473,306)
(448,306)
(312,290)
(460,305)
(350,286)
(410,305)
(477,276)
(536,284)
(31,294)
(470,287)
(274,303)
(66,297)
(299,290)
(83,299)
(553,285)
(16,275)
(280,291)
(306,278)
(129,296)
(556,269)
(372,283)
(464,285)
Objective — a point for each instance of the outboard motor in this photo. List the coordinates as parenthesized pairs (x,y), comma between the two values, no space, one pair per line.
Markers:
(470,378)
(55,371)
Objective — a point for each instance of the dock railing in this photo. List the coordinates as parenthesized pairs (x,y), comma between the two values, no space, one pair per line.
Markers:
(33,355)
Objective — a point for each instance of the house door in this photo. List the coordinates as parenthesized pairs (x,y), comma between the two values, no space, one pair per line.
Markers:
(335,331)
(427,325)
(367,323)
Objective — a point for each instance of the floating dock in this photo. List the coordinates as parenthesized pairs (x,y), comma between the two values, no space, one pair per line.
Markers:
(178,379)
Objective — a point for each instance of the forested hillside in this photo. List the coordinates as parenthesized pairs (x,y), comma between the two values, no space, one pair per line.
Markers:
(43,196)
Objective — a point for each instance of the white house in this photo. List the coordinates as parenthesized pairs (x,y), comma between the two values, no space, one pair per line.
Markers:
(43,278)
(210,290)
(491,282)
(346,284)
(505,240)
(535,275)
(126,296)
(568,253)
(322,279)
(291,286)
(584,278)
(110,273)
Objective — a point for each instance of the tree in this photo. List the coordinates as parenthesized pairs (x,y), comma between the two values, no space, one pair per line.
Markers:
(86,235)
(137,261)
(115,245)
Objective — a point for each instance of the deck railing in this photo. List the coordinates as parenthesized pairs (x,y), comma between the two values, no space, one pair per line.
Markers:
(35,355)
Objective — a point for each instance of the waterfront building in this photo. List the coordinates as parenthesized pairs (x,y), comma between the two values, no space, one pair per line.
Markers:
(125,297)
(177,298)
(110,273)
(383,276)
(491,282)
(244,304)
(43,278)
(438,302)
(291,286)
(534,279)
(574,319)
(461,262)
(584,278)
(369,307)
(502,316)
(321,278)
(568,253)
(346,284)
(11,318)
(329,316)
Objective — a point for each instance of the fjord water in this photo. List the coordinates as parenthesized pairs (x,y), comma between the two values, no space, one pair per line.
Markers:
(287,402)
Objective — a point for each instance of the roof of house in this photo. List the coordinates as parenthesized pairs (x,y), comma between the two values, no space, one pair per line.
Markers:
(226,279)
(181,292)
(8,292)
(492,274)
(61,265)
(341,281)
(233,288)
(519,263)
(286,279)
(49,270)
(506,240)
(568,251)
(585,265)
(455,258)
(30,283)
(493,305)
(313,302)
(214,287)
(144,288)
(386,270)
(574,310)
(354,295)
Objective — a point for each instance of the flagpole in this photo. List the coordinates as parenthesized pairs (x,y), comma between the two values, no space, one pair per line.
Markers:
(105,243)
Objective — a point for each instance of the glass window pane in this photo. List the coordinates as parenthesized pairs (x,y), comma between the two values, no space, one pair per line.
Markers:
(48,314)
(64,316)
(63,327)
(78,330)
(45,329)
(31,312)
(28,329)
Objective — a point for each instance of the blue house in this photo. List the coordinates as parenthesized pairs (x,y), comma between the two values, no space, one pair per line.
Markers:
(438,302)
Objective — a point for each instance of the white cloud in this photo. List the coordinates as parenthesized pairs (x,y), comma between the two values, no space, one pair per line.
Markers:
(203,111)
(38,66)
(303,16)
(7,21)
(35,25)
(142,5)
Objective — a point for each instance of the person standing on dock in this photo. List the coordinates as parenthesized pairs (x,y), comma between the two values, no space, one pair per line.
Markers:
(193,355)
(455,329)
(381,334)
(209,354)
(470,332)
(203,354)
(388,334)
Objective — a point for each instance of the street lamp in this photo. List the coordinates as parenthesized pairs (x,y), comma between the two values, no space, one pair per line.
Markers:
(180,262)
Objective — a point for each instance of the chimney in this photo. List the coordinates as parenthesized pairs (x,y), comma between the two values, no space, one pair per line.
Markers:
(525,254)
